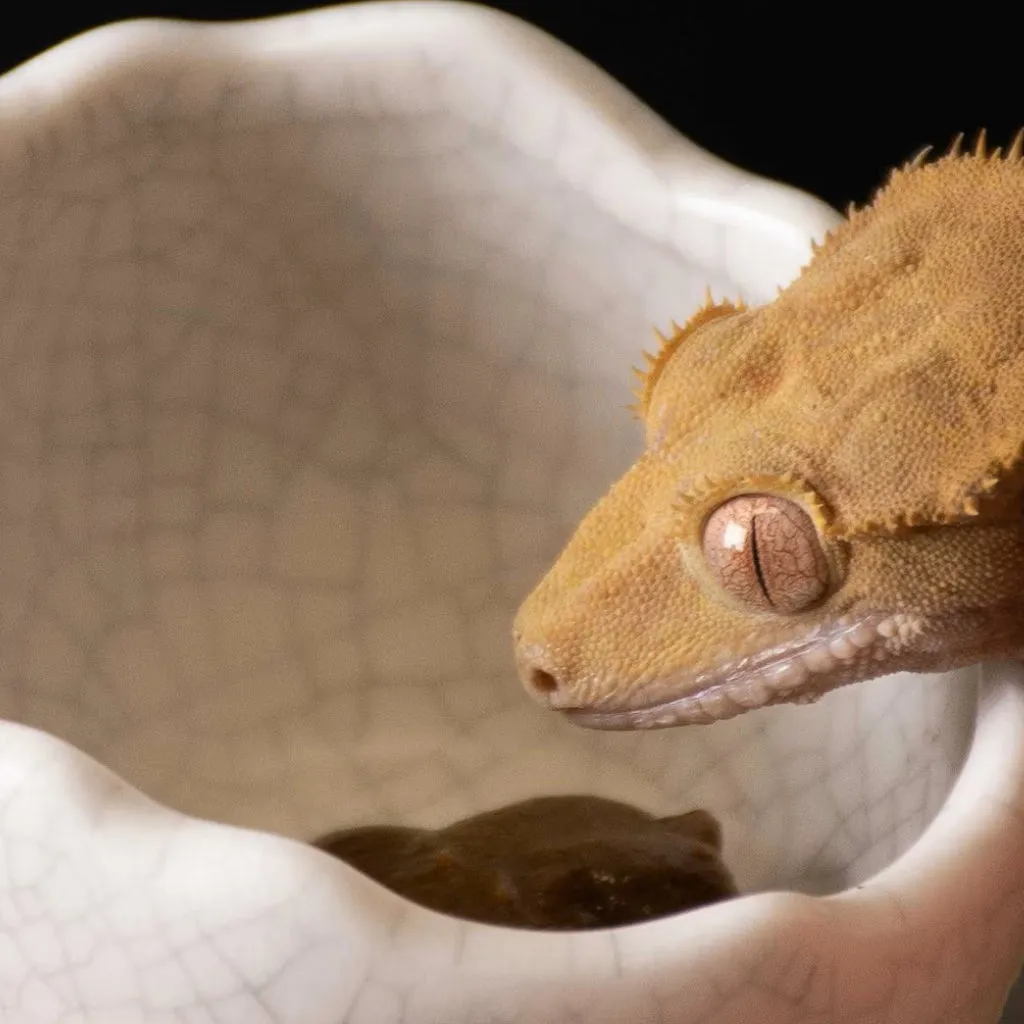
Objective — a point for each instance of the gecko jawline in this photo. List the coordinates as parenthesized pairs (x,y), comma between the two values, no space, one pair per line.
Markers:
(800,672)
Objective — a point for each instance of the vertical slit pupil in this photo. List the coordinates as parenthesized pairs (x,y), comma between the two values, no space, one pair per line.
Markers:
(755,556)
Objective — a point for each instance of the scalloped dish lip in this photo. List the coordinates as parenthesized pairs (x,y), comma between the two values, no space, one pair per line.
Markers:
(920,900)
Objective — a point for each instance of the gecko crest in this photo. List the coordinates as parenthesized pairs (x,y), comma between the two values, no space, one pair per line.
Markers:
(656,361)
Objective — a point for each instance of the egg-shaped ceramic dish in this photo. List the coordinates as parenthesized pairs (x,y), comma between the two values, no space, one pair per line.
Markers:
(315,340)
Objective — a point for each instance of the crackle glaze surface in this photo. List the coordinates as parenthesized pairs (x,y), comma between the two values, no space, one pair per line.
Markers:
(315,336)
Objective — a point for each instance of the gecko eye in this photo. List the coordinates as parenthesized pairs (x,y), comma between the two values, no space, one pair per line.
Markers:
(764,552)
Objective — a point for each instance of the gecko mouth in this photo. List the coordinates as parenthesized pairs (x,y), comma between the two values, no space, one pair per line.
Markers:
(799,671)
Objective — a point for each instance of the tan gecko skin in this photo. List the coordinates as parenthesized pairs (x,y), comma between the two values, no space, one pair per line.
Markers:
(831,487)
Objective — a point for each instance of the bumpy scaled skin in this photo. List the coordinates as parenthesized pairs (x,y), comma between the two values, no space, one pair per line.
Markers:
(559,862)
(831,488)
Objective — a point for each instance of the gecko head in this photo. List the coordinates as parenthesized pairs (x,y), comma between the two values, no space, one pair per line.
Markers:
(831,487)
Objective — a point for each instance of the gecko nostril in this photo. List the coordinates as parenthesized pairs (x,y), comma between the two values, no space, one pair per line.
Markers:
(542,682)
(540,674)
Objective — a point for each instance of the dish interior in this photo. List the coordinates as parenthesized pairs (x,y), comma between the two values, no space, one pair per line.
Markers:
(300,393)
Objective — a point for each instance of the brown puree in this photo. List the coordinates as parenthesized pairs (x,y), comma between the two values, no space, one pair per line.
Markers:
(567,862)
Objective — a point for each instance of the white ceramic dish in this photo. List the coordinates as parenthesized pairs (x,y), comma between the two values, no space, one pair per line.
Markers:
(315,335)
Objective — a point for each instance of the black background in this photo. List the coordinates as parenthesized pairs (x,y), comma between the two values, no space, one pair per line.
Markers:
(825,96)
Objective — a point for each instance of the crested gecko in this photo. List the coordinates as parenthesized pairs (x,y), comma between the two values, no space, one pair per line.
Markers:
(832,484)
